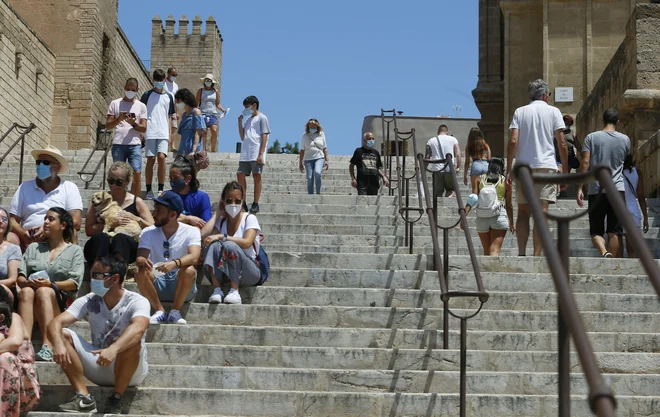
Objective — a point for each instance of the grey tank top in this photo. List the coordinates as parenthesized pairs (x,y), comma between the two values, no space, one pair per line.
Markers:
(207,106)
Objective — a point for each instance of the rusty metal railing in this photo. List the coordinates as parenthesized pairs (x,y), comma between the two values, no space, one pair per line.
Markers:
(104,144)
(387,118)
(441,265)
(23,131)
(404,189)
(601,399)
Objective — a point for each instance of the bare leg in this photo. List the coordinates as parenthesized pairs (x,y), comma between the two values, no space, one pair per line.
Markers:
(631,251)
(125,366)
(214,138)
(599,244)
(136,188)
(522,228)
(185,281)
(538,245)
(46,308)
(162,164)
(614,244)
(149,171)
(74,370)
(242,180)
(474,181)
(145,283)
(26,309)
(496,240)
(485,242)
(257,187)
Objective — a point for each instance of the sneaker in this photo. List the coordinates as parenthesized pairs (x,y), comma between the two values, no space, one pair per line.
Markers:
(158,318)
(217,296)
(255,208)
(608,255)
(150,196)
(175,317)
(79,404)
(233,297)
(113,405)
(45,354)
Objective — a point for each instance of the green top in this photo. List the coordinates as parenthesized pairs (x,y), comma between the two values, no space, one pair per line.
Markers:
(69,264)
(500,188)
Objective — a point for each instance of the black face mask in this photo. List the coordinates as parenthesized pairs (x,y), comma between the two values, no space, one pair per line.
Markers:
(178,185)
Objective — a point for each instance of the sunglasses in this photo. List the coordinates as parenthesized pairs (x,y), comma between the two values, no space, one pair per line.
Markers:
(115,181)
(45,162)
(166,246)
(101,275)
(236,201)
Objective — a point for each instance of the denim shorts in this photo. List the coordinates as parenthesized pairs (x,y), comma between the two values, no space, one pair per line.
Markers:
(128,153)
(166,287)
(479,167)
(249,167)
(211,119)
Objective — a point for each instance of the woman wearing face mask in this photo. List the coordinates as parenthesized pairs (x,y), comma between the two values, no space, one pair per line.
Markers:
(191,127)
(196,203)
(208,98)
(133,209)
(232,239)
(314,155)
(49,276)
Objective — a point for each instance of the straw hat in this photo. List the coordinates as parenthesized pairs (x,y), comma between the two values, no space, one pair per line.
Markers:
(55,153)
(208,77)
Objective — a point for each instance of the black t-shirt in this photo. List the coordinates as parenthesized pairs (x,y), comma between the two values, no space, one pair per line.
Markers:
(367,162)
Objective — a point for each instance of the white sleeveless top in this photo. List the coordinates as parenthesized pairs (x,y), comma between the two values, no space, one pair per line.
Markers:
(630,181)
(207,106)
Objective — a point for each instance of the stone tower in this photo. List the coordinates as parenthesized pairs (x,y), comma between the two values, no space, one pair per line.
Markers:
(193,54)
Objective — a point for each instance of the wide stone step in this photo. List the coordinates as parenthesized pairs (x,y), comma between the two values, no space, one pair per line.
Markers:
(318,404)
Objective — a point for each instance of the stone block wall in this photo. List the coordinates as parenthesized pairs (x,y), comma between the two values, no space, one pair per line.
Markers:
(27,68)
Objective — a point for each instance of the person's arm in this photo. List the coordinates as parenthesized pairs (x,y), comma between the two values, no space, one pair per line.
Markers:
(111,121)
(16,336)
(584,167)
(428,153)
(241,130)
(217,100)
(467,163)
(131,336)
(326,164)
(92,226)
(244,242)
(209,228)
(140,126)
(54,330)
(142,260)
(509,209)
(563,150)
(489,154)
(262,147)
(301,159)
(198,132)
(12,271)
(511,150)
(198,97)
(146,219)
(641,197)
(457,154)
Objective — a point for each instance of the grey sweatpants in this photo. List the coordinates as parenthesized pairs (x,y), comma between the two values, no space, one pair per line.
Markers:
(227,258)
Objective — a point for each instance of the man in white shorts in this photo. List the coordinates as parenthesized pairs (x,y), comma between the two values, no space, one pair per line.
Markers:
(117,356)
(160,114)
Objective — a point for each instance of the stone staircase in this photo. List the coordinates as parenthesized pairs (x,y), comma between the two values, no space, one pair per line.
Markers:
(349,324)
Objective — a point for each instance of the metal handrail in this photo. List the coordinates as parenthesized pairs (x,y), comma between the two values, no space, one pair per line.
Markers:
(601,399)
(101,145)
(386,120)
(24,130)
(443,268)
(404,188)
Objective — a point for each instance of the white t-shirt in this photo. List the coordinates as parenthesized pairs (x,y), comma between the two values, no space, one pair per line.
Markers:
(171,87)
(249,221)
(152,238)
(447,142)
(31,203)
(254,126)
(124,133)
(160,108)
(108,325)
(537,123)
(313,145)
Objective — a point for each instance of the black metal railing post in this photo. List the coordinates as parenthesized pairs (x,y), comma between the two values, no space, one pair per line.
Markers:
(386,119)
(564,339)
(103,143)
(23,130)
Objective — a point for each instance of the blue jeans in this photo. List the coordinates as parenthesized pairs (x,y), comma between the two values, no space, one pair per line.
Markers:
(314,168)
(128,153)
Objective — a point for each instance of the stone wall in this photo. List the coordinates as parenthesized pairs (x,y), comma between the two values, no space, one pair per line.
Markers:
(27,69)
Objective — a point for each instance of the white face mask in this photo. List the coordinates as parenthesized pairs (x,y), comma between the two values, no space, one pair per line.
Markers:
(130,94)
(208,83)
(233,209)
(181,105)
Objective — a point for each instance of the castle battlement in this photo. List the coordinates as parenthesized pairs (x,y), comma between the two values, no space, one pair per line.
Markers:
(169,32)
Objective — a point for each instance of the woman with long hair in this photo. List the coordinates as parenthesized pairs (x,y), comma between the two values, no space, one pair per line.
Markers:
(191,126)
(49,276)
(314,155)
(196,203)
(633,182)
(232,239)
(133,209)
(208,98)
(478,150)
(10,257)
(494,206)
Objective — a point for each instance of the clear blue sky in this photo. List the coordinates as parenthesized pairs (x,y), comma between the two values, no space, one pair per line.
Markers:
(337,61)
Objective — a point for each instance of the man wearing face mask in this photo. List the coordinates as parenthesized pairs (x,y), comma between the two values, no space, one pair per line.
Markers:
(370,168)
(128,117)
(35,197)
(253,129)
(160,111)
(117,356)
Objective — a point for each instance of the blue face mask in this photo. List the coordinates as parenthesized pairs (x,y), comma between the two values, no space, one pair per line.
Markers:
(98,287)
(178,185)
(159,84)
(313,130)
(247,112)
(371,143)
(43,171)
(173,79)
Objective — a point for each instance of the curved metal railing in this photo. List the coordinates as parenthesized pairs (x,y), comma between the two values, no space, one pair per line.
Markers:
(441,265)
(23,131)
(404,189)
(387,118)
(601,399)
(104,144)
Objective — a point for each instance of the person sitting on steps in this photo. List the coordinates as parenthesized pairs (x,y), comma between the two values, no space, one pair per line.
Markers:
(117,356)
(196,203)
(232,241)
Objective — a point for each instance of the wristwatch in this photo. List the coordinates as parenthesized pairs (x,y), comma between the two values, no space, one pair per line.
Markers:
(224,237)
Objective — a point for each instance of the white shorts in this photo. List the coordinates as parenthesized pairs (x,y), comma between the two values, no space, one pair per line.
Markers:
(486,224)
(105,377)
(155,146)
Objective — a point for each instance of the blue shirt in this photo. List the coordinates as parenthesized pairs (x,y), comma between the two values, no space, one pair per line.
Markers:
(198,204)
(189,124)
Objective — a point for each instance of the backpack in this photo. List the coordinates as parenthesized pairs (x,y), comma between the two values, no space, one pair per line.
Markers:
(262,257)
(489,202)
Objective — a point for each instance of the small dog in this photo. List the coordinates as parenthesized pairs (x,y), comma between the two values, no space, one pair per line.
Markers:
(107,209)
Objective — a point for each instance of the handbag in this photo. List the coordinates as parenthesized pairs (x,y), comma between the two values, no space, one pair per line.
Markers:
(201,158)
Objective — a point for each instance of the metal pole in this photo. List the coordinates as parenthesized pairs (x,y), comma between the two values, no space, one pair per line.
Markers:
(564,337)
(463,365)
(20,172)
(445,270)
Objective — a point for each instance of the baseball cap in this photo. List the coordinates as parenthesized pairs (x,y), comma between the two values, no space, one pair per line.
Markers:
(171,200)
